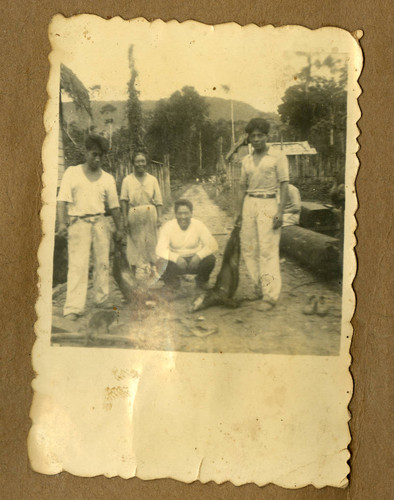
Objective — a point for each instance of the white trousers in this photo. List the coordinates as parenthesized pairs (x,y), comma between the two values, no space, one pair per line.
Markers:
(260,245)
(82,235)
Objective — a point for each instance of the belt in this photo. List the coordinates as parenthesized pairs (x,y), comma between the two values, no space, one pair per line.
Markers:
(263,196)
(86,216)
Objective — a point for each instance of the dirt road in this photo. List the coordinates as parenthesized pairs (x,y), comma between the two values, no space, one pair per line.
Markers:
(170,326)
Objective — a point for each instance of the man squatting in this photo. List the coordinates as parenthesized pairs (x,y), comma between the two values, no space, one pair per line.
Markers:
(84,190)
(185,245)
(264,174)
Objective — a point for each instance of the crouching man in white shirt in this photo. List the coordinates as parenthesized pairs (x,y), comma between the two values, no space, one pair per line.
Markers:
(185,246)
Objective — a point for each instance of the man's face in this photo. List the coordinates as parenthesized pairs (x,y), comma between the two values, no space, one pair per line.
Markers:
(258,140)
(140,164)
(183,216)
(94,158)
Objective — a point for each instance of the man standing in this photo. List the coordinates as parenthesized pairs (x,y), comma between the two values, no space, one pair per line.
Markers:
(185,246)
(291,215)
(84,191)
(264,172)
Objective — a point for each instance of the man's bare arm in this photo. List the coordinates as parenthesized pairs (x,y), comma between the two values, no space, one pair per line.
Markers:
(240,199)
(125,207)
(62,218)
(159,212)
(115,213)
(284,190)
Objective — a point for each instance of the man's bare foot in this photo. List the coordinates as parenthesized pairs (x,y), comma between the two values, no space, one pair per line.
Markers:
(258,294)
(266,306)
(71,316)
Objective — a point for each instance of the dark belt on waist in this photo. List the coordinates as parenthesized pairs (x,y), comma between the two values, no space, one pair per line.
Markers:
(262,196)
(86,216)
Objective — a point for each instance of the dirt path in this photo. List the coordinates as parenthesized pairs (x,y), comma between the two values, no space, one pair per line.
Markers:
(284,330)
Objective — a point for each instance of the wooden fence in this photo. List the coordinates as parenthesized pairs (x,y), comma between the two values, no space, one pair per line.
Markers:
(310,168)
(302,169)
(159,170)
(162,173)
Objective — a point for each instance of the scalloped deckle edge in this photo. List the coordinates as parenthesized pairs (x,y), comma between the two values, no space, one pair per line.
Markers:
(244,418)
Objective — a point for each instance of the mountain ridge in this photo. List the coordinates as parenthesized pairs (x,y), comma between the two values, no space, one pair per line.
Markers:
(219,109)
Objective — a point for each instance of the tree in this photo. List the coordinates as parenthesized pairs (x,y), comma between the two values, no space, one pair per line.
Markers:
(176,129)
(134,113)
(315,109)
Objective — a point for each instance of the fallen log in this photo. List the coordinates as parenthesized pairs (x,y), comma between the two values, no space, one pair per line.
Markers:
(316,251)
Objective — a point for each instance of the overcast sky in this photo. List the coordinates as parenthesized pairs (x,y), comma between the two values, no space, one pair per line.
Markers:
(257,64)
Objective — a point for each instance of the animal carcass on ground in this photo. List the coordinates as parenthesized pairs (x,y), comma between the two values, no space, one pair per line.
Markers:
(227,280)
(122,273)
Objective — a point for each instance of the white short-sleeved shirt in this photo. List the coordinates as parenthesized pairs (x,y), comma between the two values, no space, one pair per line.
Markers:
(174,242)
(85,196)
(291,215)
(293,200)
(141,192)
(266,177)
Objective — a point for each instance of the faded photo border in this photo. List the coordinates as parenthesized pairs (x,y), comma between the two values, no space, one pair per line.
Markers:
(115,397)
(27,65)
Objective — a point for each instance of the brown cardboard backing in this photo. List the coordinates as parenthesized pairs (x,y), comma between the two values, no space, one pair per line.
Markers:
(24,48)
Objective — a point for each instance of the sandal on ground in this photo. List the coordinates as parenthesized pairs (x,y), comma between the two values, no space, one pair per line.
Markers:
(311,306)
(321,306)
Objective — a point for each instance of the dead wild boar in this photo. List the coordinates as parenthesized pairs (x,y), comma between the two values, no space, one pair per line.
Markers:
(227,280)
(122,273)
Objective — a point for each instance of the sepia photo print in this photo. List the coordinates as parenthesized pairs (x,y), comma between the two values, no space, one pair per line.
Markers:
(130,269)
(196,265)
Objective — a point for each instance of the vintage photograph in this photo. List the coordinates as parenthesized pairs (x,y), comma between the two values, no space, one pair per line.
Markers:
(197,254)
(200,200)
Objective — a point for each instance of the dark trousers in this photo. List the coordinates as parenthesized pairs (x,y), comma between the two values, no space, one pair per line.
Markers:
(203,271)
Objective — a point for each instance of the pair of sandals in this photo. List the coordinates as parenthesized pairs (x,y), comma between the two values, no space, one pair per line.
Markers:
(316,305)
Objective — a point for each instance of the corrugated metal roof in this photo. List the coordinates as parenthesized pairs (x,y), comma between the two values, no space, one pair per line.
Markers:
(293,148)
(289,148)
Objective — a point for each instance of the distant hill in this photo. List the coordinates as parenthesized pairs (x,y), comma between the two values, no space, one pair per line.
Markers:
(219,109)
